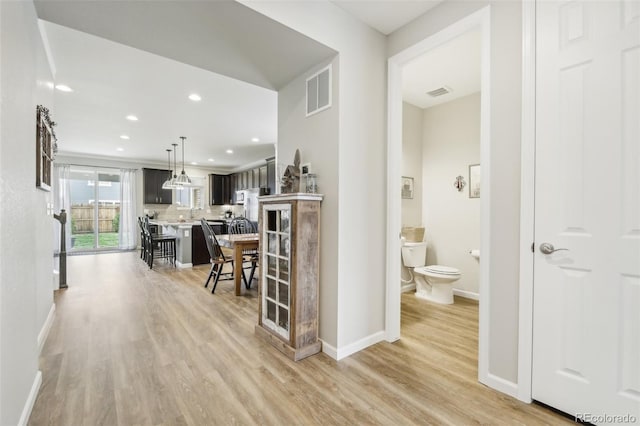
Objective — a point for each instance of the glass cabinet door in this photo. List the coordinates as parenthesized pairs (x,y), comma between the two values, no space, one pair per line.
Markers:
(276,255)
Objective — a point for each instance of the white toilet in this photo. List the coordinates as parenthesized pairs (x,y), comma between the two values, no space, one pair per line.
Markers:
(433,282)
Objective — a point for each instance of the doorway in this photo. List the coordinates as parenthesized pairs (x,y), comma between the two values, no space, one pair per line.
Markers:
(95,208)
(481,20)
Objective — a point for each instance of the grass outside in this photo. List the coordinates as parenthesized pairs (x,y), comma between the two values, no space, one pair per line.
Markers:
(105,239)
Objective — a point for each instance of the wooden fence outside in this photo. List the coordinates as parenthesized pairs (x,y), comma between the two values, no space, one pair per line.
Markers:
(83,219)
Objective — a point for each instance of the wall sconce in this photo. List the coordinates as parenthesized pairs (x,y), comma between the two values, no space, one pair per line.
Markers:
(459,183)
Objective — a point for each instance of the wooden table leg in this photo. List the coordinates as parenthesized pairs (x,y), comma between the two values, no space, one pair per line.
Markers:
(237,267)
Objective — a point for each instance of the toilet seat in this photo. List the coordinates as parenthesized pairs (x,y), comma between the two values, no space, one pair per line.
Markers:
(437,269)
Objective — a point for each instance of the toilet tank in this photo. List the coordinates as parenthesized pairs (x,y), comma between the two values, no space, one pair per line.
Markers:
(414,254)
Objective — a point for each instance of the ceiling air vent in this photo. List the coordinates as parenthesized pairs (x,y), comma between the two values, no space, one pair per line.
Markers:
(439,91)
(319,91)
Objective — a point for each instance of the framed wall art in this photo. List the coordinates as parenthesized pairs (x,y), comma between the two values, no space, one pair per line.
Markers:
(407,187)
(46,146)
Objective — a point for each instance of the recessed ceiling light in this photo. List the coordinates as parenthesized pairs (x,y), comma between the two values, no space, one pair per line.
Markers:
(193,163)
(125,137)
(132,118)
(255,140)
(210,159)
(64,88)
(120,149)
(229,151)
(195,97)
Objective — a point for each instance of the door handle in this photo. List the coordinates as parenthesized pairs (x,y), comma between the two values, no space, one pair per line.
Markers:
(547,248)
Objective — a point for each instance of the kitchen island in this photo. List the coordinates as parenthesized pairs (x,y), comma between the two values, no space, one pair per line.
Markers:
(191,248)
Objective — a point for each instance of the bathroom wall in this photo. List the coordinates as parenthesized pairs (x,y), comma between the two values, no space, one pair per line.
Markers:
(412,162)
(451,142)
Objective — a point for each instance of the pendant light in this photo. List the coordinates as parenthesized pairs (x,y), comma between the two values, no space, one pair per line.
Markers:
(183,179)
(174,179)
(167,183)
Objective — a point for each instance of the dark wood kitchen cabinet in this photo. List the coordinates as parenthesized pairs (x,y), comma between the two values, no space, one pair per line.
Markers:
(219,190)
(271,175)
(152,183)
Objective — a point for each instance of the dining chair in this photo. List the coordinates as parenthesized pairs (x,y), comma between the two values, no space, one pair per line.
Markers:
(242,225)
(219,256)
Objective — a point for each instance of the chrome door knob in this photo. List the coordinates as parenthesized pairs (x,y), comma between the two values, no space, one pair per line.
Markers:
(548,248)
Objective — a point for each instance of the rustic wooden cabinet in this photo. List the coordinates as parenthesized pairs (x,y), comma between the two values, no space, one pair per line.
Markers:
(152,183)
(289,227)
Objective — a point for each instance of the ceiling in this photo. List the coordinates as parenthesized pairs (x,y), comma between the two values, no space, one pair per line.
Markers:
(386,16)
(111,81)
(146,57)
(455,64)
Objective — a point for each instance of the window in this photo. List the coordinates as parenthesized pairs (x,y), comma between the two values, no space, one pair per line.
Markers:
(191,197)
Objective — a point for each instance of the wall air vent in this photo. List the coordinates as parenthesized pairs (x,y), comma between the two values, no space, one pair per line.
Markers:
(319,91)
(439,91)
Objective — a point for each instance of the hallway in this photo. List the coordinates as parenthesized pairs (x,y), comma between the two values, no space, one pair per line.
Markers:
(134,346)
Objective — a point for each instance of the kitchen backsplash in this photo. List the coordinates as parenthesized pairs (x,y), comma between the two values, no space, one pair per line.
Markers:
(171,212)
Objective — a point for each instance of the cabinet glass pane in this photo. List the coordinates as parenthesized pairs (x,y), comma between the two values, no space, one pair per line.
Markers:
(283,294)
(284,245)
(283,317)
(272,220)
(273,238)
(284,269)
(284,221)
(271,288)
(271,266)
(271,311)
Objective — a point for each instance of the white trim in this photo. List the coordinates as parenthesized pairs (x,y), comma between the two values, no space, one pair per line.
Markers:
(345,351)
(31,399)
(482,19)
(297,196)
(527,201)
(502,385)
(466,294)
(44,332)
(331,351)
(183,265)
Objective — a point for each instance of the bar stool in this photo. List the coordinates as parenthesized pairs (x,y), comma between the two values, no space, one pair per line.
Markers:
(166,245)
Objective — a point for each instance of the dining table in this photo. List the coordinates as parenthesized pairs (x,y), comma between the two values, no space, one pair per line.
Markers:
(239,243)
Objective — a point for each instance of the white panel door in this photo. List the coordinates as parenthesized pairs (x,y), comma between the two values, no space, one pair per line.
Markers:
(586,347)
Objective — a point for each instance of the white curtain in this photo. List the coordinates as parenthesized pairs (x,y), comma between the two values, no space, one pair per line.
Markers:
(61,200)
(128,233)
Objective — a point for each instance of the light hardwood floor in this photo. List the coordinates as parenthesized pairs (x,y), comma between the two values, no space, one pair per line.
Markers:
(132,346)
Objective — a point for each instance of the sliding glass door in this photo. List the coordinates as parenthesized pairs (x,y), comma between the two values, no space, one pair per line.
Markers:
(95,208)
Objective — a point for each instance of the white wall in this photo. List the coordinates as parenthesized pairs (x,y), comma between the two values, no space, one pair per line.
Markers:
(359,166)
(451,141)
(505,63)
(412,163)
(26,260)
(317,138)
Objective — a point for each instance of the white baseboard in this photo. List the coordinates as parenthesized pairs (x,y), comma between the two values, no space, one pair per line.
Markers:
(331,351)
(31,399)
(466,294)
(500,384)
(184,265)
(354,347)
(44,331)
